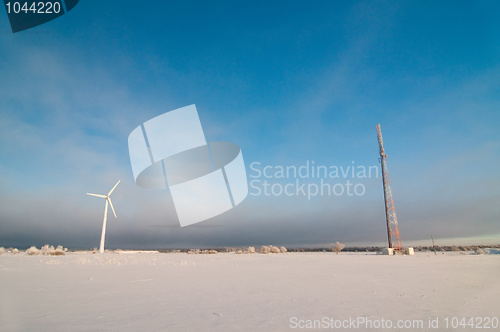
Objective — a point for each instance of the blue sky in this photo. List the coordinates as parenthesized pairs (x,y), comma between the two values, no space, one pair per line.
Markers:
(287,81)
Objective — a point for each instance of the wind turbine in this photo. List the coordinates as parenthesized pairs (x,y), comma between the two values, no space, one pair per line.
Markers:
(103,235)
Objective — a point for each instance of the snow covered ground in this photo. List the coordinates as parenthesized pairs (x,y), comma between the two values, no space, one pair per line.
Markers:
(252,292)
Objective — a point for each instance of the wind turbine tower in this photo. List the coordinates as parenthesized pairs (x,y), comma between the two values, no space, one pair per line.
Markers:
(390,210)
(108,200)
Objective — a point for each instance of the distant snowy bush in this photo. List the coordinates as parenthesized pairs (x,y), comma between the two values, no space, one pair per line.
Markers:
(239,252)
(265,250)
(48,250)
(251,250)
(271,249)
(479,252)
(45,249)
(59,251)
(2,250)
(208,252)
(274,250)
(15,251)
(33,251)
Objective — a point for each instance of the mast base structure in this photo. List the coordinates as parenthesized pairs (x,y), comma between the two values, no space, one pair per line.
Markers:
(393,236)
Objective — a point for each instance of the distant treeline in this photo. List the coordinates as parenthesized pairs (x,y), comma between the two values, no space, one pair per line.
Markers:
(348,249)
(418,248)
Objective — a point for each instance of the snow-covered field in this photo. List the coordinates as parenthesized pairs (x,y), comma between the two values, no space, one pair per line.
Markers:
(252,292)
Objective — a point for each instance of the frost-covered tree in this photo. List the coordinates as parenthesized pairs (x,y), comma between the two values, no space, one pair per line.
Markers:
(33,251)
(337,247)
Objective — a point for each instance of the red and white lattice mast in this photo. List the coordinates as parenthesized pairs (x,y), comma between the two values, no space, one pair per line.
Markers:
(390,210)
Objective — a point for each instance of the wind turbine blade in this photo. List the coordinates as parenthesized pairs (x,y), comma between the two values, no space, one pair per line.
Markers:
(111,204)
(96,195)
(114,187)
